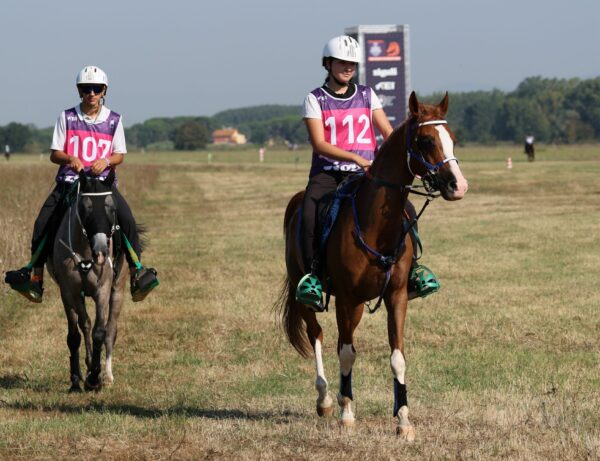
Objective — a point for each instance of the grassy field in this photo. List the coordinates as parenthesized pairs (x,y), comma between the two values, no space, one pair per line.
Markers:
(503,363)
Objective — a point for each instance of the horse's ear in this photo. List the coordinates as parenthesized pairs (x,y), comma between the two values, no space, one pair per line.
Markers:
(443,105)
(110,179)
(413,104)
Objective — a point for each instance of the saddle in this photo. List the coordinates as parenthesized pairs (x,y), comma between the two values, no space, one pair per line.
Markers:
(328,210)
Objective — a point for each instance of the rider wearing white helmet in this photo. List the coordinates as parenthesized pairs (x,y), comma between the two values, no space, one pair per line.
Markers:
(343,48)
(87,137)
(340,117)
(333,113)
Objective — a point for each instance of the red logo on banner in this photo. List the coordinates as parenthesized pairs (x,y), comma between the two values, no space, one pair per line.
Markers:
(383,50)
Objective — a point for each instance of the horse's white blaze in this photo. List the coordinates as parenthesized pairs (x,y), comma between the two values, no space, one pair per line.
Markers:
(448,147)
(347,357)
(321,383)
(398,365)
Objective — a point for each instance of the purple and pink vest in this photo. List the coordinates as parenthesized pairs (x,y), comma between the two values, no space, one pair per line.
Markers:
(88,142)
(347,124)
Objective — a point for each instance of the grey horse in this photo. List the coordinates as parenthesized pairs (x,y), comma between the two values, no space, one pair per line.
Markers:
(84,264)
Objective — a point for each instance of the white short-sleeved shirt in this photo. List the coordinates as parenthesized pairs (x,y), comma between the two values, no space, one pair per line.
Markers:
(60,130)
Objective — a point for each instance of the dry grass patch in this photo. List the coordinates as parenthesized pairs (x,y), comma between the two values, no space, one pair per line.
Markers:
(503,363)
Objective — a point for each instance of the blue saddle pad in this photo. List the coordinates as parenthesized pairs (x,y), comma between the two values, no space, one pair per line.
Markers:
(329,208)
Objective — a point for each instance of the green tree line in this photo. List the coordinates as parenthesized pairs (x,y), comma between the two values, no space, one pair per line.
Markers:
(553,110)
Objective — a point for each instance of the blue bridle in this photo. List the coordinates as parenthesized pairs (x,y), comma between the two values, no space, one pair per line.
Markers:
(431,168)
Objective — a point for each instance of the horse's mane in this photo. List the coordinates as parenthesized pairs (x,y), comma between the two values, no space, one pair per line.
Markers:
(394,141)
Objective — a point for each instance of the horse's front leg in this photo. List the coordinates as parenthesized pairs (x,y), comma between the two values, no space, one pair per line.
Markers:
(93,380)
(73,308)
(348,319)
(73,342)
(116,302)
(396,305)
(85,325)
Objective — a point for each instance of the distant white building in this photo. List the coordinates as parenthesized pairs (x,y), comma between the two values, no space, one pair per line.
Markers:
(228,136)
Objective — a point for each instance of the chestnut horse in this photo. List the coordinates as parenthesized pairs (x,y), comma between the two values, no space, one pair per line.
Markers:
(368,227)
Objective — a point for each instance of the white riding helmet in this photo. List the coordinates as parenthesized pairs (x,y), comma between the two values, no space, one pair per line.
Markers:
(92,75)
(342,47)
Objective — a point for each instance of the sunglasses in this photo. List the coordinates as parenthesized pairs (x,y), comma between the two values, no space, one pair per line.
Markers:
(87,89)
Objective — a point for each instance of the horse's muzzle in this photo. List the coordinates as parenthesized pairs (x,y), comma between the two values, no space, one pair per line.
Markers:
(452,184)
(99,246)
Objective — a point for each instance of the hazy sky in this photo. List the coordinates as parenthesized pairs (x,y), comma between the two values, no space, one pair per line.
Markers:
(178,57)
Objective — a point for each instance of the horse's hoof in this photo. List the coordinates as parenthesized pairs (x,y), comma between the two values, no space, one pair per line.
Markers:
(92,386)
(406,433)
(75,389)
(325,412)
(347,423)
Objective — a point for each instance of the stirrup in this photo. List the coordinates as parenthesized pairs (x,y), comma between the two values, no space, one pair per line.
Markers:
(143,282)
(27,288)
(310,293)
(422,282)
(18,277)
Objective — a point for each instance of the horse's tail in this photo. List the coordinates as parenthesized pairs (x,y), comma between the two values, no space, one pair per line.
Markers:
(286,304)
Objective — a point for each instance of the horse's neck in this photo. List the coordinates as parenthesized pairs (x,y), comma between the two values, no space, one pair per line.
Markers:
(391,164)
(385,194)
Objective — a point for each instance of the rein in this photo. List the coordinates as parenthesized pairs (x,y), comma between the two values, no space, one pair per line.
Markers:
(388,261)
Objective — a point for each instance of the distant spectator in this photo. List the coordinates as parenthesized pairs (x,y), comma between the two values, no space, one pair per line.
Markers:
(529,147)
(7,152)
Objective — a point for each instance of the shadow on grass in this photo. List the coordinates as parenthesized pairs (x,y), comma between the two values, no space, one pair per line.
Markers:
(154,413)
(21,381)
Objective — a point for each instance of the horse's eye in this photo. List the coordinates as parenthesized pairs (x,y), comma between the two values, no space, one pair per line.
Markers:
(425,143)
(109,206)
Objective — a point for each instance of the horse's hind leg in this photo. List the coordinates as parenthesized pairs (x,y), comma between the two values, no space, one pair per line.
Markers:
(315,335)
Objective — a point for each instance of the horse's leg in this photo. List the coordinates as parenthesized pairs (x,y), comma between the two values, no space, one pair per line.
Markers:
(315,335)
(85,325)
(72,304)
(116,302)
(396,304)
(93,381)
(73,342)
(347,321)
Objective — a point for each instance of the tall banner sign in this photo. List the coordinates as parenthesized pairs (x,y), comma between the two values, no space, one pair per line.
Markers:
(385,66)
